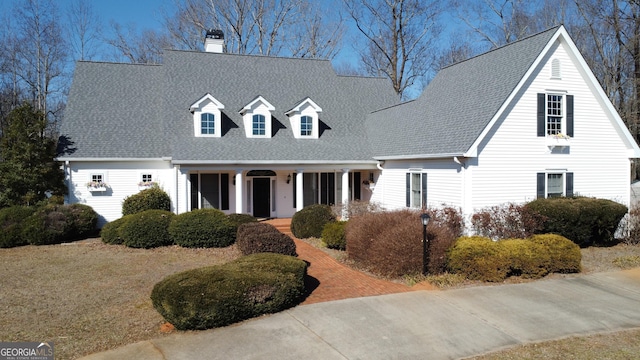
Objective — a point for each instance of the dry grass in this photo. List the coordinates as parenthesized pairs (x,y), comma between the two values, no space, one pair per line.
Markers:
(88,297)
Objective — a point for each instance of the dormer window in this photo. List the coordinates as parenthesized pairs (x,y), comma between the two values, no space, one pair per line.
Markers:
(305,119)
(256,117)
(207,117)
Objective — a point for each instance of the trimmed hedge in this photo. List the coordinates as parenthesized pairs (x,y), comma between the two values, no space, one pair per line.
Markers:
(585,221)
(202,228)
(239,219)
(310,221)
(85,220)
(153,198)
(220,295)
(260,237)
(11,224)
(334,235)
(55,224)
(480,258)
(111,231)
(147,229)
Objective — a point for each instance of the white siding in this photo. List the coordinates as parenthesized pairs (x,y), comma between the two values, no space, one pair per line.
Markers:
(122,178)
(509,160)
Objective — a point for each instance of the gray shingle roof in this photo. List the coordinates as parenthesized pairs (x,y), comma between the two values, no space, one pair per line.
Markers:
(142,111)
(457,105)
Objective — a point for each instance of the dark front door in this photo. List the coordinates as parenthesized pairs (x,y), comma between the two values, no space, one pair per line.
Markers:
(261,197)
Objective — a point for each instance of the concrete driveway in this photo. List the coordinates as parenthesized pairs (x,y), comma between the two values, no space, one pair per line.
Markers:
(447,324)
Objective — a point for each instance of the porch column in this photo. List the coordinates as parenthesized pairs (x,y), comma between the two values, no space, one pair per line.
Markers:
(183,188)
(238,180)
(299,189)
(345,193)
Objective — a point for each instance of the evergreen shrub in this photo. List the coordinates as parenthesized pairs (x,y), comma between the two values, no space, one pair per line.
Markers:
(85,220)
(260,237)
(334,235)
(310,221)
(111,231)
(220,295)
(202,228)
(565,255)
(239,219)
(11,223)
(147,229)
(153,198)
(585,221)
(50,224)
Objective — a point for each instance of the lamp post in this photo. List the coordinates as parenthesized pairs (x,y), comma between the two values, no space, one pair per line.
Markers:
(425,244)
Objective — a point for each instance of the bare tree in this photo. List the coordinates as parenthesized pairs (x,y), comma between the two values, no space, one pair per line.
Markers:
(85,29)
(144,47)
(401,38)
(267,27)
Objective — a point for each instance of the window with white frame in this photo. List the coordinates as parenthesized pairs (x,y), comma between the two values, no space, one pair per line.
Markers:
(259,125)
(416,190)
(555,114)
(306,125)
(207,124)
(97,178)
(146,178)
(555,184)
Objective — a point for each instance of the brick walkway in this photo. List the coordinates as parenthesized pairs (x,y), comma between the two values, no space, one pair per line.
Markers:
(330,280)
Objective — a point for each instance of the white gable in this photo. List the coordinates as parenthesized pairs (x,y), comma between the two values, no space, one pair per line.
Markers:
(308,111)
(256,117)
(207,117)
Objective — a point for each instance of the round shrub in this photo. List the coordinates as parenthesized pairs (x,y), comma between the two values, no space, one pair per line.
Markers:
(11,223)
(202,228)
(310,221)
(527,259)
(334,235)
(147,229)
(110,233)
(50,224)
(239,219)
(255,238)
(220,295)
(565,255)
(153,198)
(585,221)
(85,220)
(477,258)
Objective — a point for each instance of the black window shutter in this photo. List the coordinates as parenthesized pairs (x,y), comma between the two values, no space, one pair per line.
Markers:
(424,191)
(541,193)
(570,115)
(542,131)
(408,189)
(569,183)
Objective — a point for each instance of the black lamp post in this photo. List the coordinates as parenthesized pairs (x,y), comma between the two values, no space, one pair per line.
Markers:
(425,243)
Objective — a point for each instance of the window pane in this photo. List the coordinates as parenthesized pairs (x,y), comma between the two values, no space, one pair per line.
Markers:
(554,185)
(306,125)
(554,114)
(207,124)
(259,125)
(415,191)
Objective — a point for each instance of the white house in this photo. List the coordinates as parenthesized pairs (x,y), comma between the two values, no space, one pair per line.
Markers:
(268,136)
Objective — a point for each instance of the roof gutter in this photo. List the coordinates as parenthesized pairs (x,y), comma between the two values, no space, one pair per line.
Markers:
(70,159)
(420,156)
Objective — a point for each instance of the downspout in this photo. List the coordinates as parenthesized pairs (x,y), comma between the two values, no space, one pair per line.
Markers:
(379,165)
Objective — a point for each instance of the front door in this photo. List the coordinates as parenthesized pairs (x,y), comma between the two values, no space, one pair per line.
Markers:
(262,197)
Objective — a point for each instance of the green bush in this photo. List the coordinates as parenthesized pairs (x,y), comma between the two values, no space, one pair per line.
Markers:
(334,235)
(239,219)
(220,295)
(255,238)
(110,233)
(11,223)
(585,221)
(310,221)
(85,220)
(480,258)
(390,243)
(153,198)
(202,228)
(147,229)
(477,258)
(50,224)
(565,255)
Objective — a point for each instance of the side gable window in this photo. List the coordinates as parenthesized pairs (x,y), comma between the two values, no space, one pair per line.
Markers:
(416,190)
(207,124)
(259,125)
(554,184)
(555,114)
(306,125)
